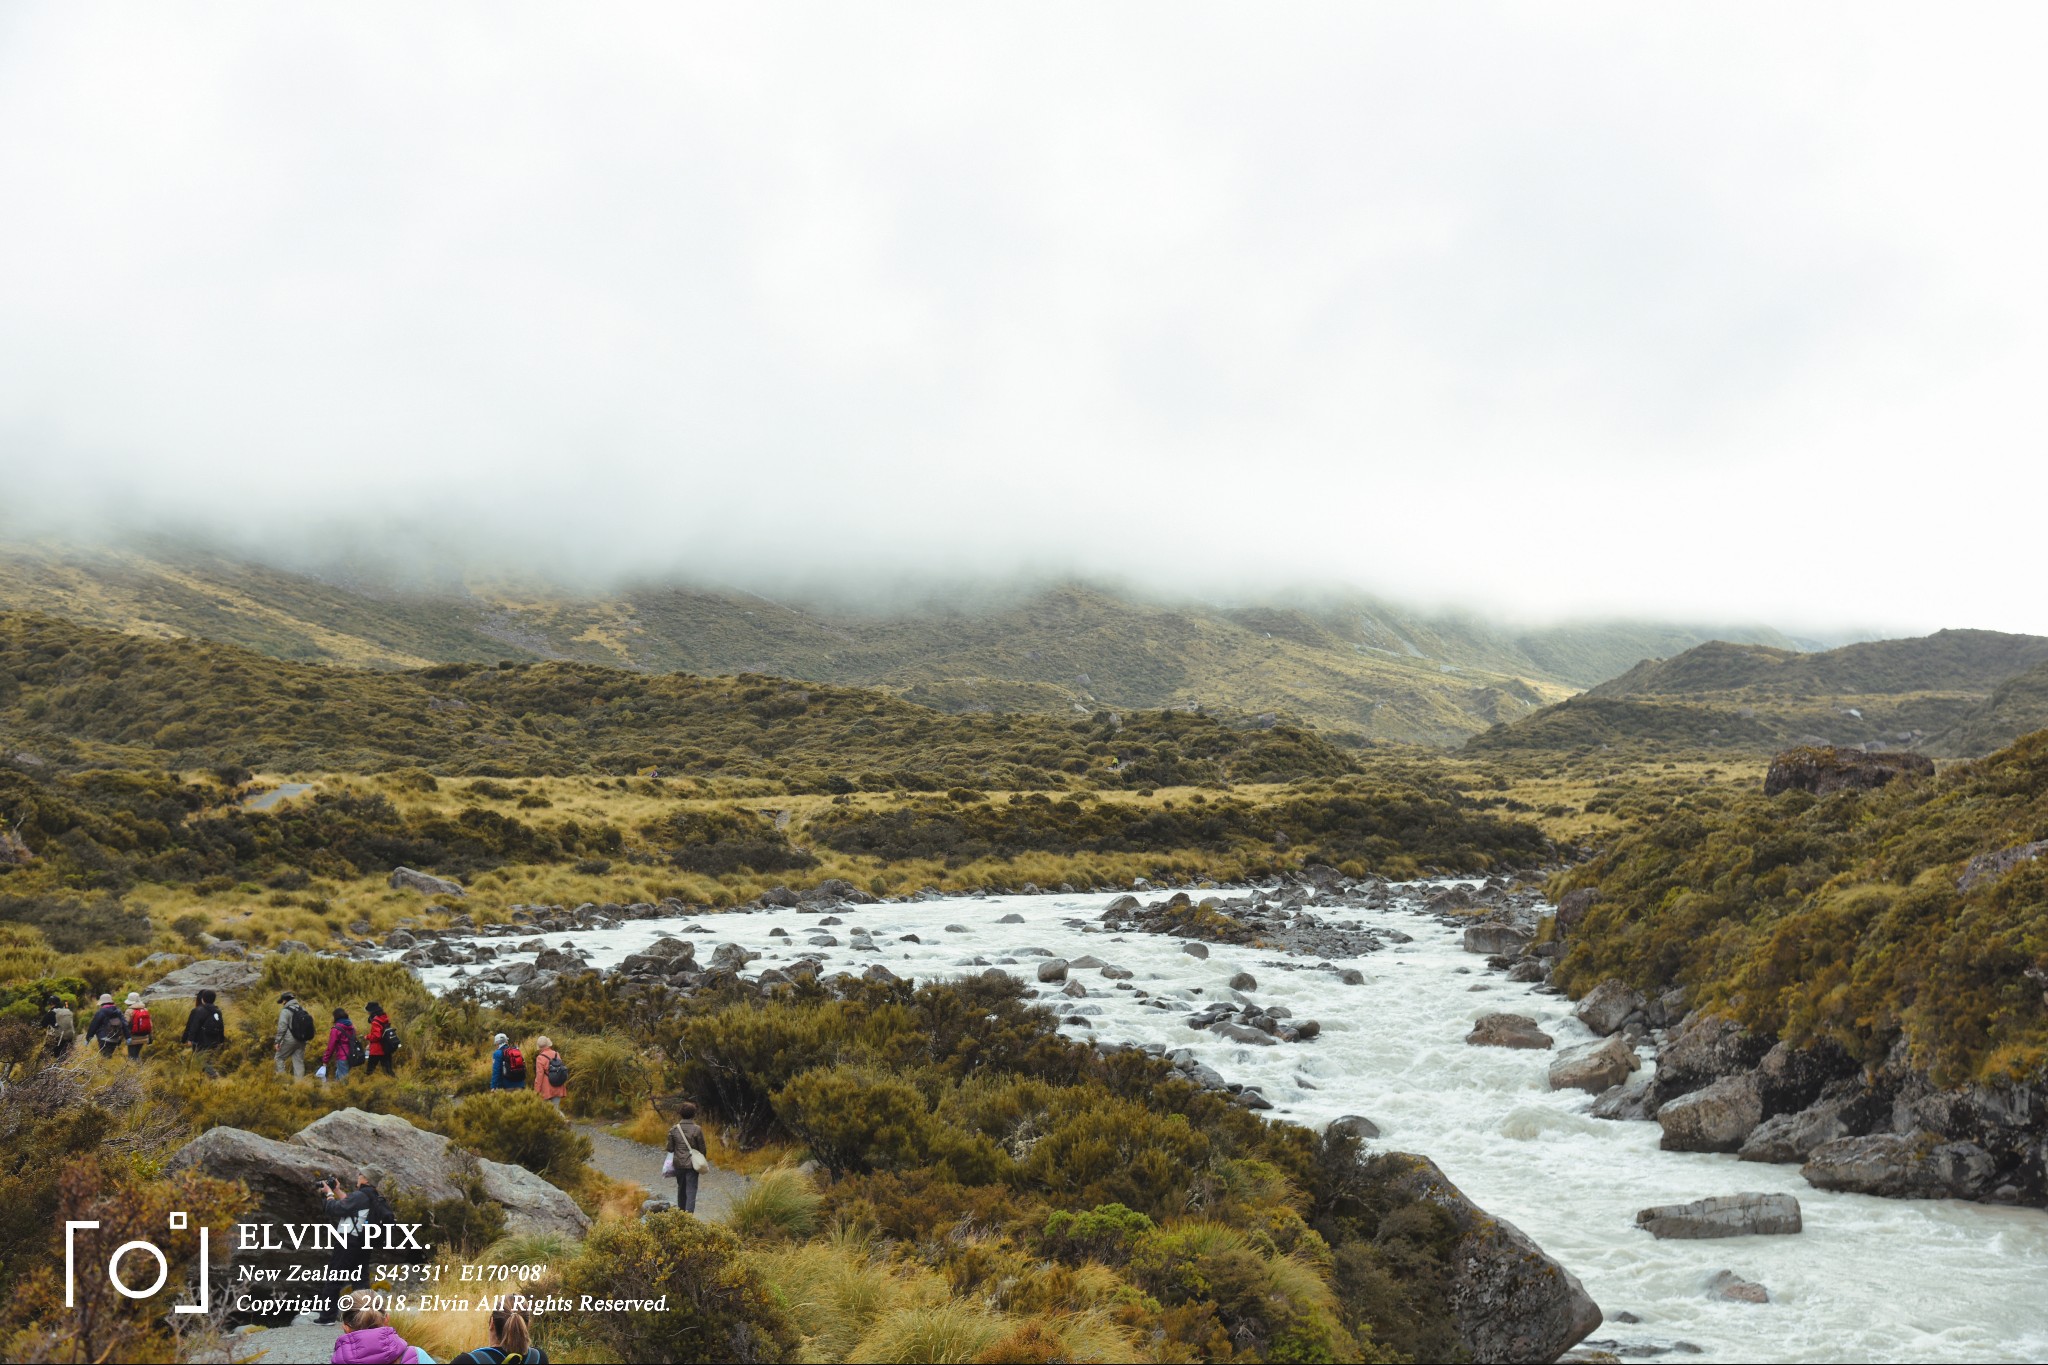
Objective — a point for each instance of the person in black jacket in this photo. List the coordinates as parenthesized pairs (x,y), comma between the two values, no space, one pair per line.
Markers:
(205,1028)
(358,1209)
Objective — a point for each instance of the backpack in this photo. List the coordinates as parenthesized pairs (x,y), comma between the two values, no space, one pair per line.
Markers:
(389,1037)
(139,1024)
(212,1027)
(114,1032)
(355,1047)
(558,1070)
(302,1023)
(515,1065)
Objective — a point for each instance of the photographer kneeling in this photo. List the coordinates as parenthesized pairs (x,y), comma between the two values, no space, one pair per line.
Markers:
(360,1208)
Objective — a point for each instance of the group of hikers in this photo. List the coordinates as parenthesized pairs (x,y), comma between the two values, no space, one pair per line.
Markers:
(129,1025)
(372,1047)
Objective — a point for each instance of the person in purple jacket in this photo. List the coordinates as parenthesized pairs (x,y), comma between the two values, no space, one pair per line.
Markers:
(368,1338)
(341,1041)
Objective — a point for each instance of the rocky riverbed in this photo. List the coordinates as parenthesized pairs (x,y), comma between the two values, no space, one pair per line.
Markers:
(1394,978)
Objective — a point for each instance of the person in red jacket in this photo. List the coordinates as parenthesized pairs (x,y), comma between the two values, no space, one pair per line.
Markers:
(375,1052)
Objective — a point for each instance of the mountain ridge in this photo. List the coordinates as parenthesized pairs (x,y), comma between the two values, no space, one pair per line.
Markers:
(1358,668)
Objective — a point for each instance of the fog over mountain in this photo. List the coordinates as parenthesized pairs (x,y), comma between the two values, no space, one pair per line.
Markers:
(1704,315)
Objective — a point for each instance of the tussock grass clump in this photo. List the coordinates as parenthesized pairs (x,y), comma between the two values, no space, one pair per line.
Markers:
(608,1075)
(781,1203)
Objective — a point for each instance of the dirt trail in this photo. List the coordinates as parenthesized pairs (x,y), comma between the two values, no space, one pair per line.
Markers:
(623,1159)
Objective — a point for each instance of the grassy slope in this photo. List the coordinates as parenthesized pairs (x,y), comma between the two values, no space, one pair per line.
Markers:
(2019,706)
(76,692)
(1350,665)
(1840,918)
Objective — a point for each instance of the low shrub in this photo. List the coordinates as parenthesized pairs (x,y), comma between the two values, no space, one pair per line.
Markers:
(520,1127)
(718,1307)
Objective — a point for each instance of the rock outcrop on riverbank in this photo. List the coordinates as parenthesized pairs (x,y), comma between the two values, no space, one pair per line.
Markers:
(1510,1301)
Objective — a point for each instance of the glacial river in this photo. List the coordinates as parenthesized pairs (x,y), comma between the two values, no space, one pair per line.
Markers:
(1868,1279)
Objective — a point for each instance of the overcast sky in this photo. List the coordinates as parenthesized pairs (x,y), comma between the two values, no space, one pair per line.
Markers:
(1721,312)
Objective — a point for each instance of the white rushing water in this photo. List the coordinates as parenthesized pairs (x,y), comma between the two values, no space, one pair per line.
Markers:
(1868,1279)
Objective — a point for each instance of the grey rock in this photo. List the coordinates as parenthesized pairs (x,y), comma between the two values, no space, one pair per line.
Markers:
(1732,1287)
(1491,939)
(557,960)
(413,1160)
(1053,969)
(1607,1007)
(1988,867)
(1901,1166)
(1508,1030)
(1727,1215)
(405,879)
(1087,962)
(1629,1100)
(207,974)
(1240,1033)
(1572,909)
(1011,919)
(1716,1119)
(1351,976)
(1112,972)
(731,957)
(1354,1125)
(1594,1067)
(877,972)
(531,1204)
(1508,1300)
(1706,1048)
(1244,981)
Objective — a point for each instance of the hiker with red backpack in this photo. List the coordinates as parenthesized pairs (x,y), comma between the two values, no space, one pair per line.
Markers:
(295,1029)
(508,1065)
(140,1026)
(344,1049)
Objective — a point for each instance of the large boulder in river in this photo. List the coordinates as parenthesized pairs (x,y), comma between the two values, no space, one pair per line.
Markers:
(1594,1067)
(1508,1030)
(405,879)
(1053,969)
(1508,1300)
(1822,769)
(1716,1119)
(1726,1215)
(1607,1006)
(213,974)
(1494,939)
(1908,1166)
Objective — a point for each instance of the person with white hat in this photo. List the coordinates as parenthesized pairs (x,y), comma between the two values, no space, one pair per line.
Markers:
(140,1026)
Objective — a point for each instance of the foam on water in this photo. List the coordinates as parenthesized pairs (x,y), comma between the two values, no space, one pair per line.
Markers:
(1869,1279)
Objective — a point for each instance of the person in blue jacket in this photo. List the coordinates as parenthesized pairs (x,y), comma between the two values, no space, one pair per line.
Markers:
(508,1065)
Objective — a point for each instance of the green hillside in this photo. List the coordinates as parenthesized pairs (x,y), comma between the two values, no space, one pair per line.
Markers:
(1843,918)
(73,694)
(2018,706)
(1356,668)
(1748,698)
